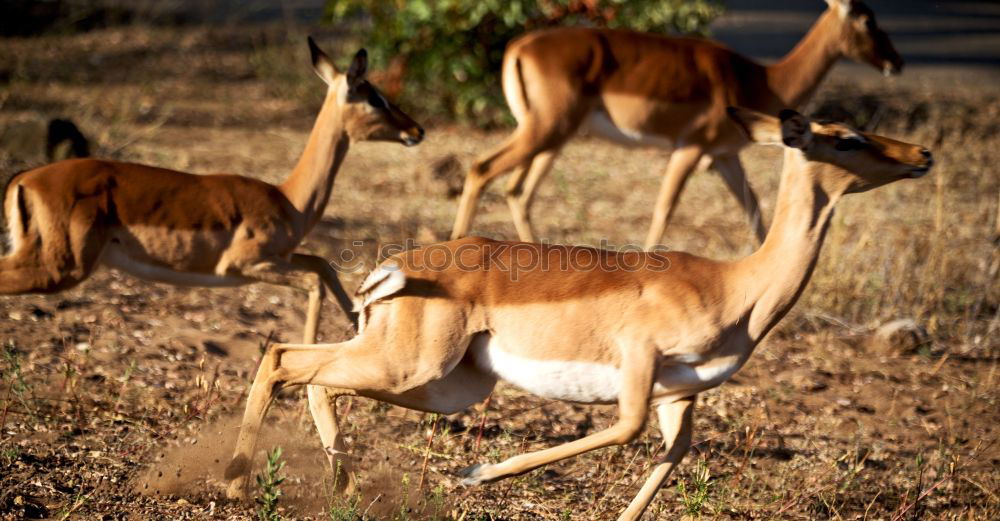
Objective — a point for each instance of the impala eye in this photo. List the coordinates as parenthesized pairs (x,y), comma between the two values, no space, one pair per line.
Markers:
(851,143)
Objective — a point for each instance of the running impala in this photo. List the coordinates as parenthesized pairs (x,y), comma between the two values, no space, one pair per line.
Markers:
(67,218)
(641,89)
(441,325)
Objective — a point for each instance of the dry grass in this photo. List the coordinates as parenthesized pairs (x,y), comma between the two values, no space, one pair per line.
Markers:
(119,389)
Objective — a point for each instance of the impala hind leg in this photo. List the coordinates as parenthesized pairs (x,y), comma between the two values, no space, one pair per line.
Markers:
(675,425)
(66,255)
(272,376)
(736,180)
(508,156)
(521,191)
(682,162)
(262,390)
(361,363)
(25,273)
(550,124)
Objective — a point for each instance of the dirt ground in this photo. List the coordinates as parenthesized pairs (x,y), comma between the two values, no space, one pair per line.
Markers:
(119,398)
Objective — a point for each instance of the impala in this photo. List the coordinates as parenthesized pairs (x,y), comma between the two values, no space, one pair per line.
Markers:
(441,325)
(67,218)
(641,89)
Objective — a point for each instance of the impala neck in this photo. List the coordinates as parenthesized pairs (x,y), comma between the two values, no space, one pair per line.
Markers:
(310,184)
(772,279)
(796,76)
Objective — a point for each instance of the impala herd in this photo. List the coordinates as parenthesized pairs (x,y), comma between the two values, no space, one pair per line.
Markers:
(439,326)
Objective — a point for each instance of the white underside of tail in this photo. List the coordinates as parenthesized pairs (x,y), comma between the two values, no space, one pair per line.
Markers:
(384,281)
(15,226)
(380,283)
(513,91)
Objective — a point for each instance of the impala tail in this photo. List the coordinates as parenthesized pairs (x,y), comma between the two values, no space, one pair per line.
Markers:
(384,281)
(514,89)
(9,214)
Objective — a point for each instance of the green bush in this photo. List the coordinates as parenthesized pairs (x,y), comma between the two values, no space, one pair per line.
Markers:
(444,56)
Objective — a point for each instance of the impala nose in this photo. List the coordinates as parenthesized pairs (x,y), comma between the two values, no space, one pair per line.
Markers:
(892,66)
(928,157)
(920,171)
(414,136)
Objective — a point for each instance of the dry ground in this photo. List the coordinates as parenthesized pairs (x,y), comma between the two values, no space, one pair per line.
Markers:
(118,398)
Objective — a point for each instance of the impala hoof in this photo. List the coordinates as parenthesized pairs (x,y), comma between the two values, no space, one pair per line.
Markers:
(474,474)
(236,492)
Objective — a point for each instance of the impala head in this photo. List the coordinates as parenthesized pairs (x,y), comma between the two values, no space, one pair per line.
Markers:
(862,40)
(367,114)
(844,157)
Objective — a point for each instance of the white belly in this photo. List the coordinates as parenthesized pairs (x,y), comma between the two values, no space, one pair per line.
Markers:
(582,382)
(589,382)
(599,124)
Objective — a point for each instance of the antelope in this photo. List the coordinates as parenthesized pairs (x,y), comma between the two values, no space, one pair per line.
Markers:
(161,225)
(640,89)
(440,325)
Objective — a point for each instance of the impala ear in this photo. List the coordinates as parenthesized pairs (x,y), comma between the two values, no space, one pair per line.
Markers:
(795,129)
(359,67)
(841,7)
(321,63)
(759,128)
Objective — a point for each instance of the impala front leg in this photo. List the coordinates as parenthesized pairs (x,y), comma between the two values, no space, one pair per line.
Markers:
(675,425)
